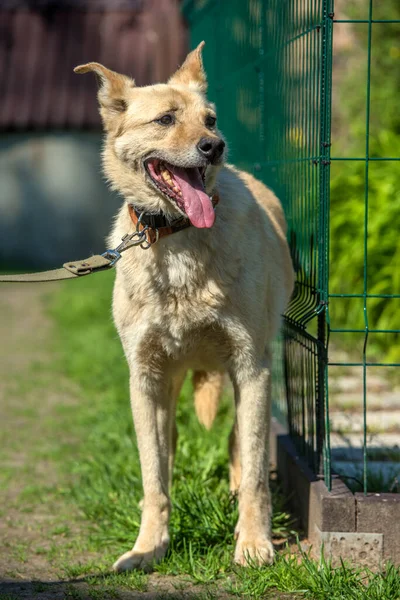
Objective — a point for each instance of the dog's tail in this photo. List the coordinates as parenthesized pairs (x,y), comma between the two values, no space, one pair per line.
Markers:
(207,392)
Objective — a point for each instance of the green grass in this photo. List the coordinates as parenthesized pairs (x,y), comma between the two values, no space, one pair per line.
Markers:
(106,477)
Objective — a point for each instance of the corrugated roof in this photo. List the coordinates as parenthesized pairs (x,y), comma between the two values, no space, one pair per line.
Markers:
(39,49)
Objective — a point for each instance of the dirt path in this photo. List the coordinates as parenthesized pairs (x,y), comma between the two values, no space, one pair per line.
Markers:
(34,524)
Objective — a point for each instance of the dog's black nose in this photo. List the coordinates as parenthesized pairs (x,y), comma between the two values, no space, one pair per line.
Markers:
(211,148)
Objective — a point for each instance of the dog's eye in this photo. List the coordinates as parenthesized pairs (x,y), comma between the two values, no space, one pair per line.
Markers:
(166,120)
(210,121)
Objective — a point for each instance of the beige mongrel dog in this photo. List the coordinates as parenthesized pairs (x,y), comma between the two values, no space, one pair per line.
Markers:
(207,298)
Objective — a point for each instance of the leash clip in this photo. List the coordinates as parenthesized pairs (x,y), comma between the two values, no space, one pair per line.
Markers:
(112,255)
(138,238)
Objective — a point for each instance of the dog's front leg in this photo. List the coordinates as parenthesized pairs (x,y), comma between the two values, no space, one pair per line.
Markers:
(252,391)
(152,414)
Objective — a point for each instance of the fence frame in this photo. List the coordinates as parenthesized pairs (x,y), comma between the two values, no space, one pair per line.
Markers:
(264,51)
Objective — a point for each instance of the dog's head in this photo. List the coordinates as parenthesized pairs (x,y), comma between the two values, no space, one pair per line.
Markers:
(163,148)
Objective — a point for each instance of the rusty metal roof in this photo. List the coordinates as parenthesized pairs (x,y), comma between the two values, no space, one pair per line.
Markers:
(39,48)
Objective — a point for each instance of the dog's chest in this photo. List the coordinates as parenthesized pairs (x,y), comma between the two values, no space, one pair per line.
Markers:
(190,285)
(192,307)
(183,311)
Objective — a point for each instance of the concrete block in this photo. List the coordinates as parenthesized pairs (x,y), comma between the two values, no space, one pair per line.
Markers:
(331,511)
(380,513)
(361,549)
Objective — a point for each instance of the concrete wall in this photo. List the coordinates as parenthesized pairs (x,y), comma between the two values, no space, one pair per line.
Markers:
(54,202)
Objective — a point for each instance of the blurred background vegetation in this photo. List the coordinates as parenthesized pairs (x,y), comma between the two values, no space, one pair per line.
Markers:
(348,178)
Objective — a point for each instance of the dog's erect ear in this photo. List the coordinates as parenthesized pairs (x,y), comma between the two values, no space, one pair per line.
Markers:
(113,90)
(192,73)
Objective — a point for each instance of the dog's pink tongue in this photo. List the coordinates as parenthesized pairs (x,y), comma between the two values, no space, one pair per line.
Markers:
(197,204)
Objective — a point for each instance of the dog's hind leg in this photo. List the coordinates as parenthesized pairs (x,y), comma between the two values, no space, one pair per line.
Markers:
(153,412)
(252,392)
(235,468)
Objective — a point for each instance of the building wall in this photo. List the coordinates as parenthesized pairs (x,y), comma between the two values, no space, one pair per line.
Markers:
(54,202)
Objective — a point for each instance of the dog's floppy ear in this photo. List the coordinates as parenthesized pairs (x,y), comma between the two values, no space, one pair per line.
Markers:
(192,73)
(113,90)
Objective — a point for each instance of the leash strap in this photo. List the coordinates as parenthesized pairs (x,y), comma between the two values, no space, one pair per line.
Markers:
(70,270)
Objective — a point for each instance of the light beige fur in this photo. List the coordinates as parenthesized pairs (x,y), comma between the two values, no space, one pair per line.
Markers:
(209,300)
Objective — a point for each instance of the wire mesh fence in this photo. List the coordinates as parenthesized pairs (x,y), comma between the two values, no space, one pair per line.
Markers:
(269,66)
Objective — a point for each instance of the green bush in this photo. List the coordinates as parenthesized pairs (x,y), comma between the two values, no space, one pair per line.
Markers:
(348,221)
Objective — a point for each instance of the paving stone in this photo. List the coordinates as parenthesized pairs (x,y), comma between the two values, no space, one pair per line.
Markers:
(354,400)
(376,421)
(356,440)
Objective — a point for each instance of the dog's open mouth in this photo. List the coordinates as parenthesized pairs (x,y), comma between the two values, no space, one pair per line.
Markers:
(186,188)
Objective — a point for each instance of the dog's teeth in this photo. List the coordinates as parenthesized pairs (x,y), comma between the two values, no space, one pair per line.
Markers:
(164,171)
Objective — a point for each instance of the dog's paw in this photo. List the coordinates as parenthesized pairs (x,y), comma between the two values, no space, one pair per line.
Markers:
(136,559)
(254,551)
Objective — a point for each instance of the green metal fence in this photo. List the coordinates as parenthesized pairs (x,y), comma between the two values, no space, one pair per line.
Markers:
(269,65)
